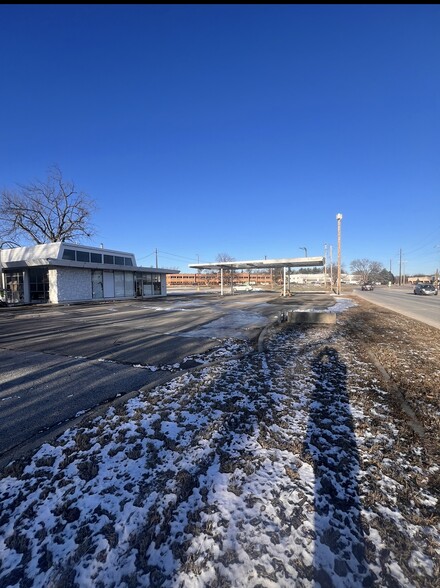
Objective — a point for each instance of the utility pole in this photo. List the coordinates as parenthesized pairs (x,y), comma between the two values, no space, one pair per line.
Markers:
(325,266)
(437,283)
(156,260)
(400,268)
(339,218)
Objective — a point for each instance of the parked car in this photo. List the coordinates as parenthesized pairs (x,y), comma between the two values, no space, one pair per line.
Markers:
(367,287)
(425,290)
(243,288)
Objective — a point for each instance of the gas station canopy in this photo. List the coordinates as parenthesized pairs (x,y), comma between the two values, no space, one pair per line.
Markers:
(262,263)
(286,263)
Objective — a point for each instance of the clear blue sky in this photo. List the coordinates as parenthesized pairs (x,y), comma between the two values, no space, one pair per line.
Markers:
(233,128)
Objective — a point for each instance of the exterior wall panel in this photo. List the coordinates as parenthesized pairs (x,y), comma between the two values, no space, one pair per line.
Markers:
(74,284)
(109,285)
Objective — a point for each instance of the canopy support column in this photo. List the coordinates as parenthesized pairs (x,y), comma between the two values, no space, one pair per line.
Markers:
(221,281)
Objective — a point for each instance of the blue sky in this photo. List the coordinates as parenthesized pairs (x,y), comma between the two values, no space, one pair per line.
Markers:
(241,129)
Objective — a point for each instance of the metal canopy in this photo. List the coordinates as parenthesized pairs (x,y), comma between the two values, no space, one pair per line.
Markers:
(262,263)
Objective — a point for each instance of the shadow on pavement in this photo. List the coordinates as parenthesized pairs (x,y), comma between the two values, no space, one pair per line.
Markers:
(330,442)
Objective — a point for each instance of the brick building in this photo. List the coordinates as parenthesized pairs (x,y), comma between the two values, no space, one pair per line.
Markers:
(213,279)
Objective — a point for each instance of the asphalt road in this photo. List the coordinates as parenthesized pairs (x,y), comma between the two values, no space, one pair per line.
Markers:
(403,300)
(59,362)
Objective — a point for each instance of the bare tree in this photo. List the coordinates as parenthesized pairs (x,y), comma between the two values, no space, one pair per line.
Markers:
(49,211)
(366,269)
(332,273)
(224,257)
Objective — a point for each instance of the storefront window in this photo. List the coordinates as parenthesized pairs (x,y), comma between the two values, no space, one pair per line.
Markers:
(157,286)
(148,285)
(14,287)
(39,284)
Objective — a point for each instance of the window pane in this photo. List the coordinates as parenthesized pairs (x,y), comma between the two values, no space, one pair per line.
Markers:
(108,259)
(96,257)
(119,260)
(69,254)
(128,261)
(14,287)
(82,256)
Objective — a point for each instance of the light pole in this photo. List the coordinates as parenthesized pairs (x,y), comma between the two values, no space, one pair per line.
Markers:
(437,281)
(404,276)
(305,250)
(331,269)
(339,218)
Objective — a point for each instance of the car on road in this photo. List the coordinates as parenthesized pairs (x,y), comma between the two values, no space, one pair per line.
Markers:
(367,287)
(425,290)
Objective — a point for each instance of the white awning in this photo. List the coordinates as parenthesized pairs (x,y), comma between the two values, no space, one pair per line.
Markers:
(262,263)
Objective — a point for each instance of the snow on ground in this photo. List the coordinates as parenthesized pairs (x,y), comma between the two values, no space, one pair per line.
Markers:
(235,324)
(272,470)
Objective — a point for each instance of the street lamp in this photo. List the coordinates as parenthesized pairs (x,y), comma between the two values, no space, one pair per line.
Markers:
(339,218)
(305,250)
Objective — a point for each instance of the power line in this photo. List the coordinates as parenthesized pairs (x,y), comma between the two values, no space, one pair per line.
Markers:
(429,240)
(149,255)
(176,255)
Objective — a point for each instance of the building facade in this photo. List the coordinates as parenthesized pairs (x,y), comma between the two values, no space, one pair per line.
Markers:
(66,273)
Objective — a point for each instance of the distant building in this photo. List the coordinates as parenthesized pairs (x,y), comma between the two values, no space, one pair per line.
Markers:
(213,279)
(320,278)
(420,279)
(65,272)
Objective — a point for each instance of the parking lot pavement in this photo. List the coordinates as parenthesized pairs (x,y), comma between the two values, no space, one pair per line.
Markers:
(60,362)
(40,391)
